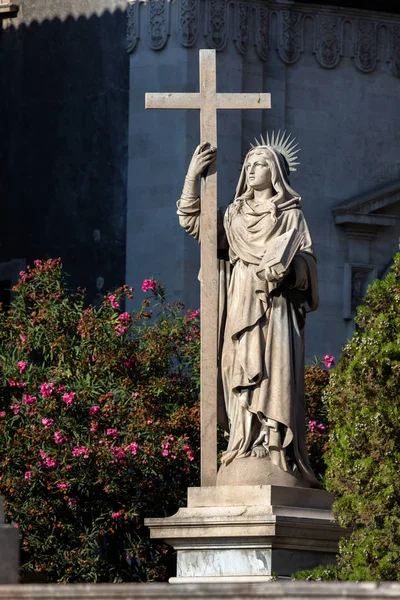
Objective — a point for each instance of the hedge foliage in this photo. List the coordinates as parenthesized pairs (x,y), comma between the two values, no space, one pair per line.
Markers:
(363,403)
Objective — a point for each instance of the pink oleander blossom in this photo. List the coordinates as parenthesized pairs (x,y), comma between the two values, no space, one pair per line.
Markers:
(94,410)
(22,366)
(321,428)
(23,338)
(94,427)
(113,301)
(120,330)
(312,426)
(133,448)
(28,474)
(148,284)
(22,384)
(190,455)
(48,423)
(46,390)
(59,438)
(186,448)
(2,414)
(72,502)
(29,400)
(43,454)
(115,515)
(124,318)
(165,452)
(194,314)
(328,361)
(69,398)
(63,486)
(15,408)
(149,422)
(112,432)
(12,383)
(50,462)
(80,451)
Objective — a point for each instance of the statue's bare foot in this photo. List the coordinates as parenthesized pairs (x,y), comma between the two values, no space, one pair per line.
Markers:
(259,452)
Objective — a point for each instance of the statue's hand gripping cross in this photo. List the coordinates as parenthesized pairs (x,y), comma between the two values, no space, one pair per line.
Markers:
(207,100)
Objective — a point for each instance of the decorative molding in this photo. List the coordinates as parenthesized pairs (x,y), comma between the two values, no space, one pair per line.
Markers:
(210,19)
(366,50)
(157,23)
(262,33)
(396,50)
(357,278)
(329,40)
(291,36)
(242,27)
(187,28)
(132,23)
(217,33)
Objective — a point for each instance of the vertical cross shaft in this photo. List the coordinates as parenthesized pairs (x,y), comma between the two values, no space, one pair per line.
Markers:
(208,101)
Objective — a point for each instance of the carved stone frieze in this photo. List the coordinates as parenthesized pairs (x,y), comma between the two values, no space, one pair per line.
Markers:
(132,25)
(396,50)
(217,24)
(242,27)
(290,46)
(366,47)
(328,42)
(157,23)
(262,32)
(248,22)
(187,28)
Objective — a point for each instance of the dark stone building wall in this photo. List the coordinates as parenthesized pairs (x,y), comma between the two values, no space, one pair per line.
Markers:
(63,137)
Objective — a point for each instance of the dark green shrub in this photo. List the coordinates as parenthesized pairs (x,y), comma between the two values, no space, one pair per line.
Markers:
(363,401)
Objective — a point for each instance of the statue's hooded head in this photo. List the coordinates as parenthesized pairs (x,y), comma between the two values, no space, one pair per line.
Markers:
(284,196)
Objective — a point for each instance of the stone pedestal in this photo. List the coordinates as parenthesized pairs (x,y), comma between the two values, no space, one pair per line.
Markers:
(249,533)
(9,551)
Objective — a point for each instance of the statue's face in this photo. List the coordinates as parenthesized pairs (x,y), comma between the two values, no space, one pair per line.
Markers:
(258,171)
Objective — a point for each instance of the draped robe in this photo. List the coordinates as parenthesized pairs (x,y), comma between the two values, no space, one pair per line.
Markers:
(262,358)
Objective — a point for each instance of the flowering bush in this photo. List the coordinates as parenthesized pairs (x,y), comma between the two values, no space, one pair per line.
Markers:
(99,426)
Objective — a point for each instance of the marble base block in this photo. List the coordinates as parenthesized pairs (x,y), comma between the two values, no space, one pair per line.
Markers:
(9,551)
(249,533)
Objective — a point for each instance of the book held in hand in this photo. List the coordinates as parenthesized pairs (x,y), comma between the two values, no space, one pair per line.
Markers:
(281,251)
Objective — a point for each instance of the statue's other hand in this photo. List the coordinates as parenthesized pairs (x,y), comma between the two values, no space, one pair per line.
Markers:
(272,276)
(202,158)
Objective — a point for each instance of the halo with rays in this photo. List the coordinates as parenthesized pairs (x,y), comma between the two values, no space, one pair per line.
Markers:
(286,145)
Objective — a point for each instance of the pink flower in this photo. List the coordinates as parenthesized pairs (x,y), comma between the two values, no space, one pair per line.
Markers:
(101,442)
(72,502)
(28,474)
(186,448)
(15,407)
(124,317)
(94,428)
(119,454)
(29,400)
(37,263)
(135,395)
(12,383)
(190,455)
(113,301)
(129,363)
(165,452)
(69,398)
(68,467)
(173,456)
(16,524)
(48,423)
(63,486)
(50,462)
(81,451)
(23,338)
(194,314)
(134,448)
(112,432)
(93,410)
(46,389)
(120,330)
(321,428)
(22,366)
(94,357)
(43,454)
(148,284)
(2,414)
(21,384)
(59,438)
(171,438)
(328,361)
(61,388)
(149,422)
(115,515)
(312,425)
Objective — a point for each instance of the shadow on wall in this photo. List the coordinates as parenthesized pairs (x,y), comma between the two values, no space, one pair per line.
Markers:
(63,145)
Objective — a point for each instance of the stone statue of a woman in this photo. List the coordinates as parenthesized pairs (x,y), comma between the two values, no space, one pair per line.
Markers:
(262,340)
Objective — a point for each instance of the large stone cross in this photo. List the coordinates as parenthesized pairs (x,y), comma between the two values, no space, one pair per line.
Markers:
(207,100)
